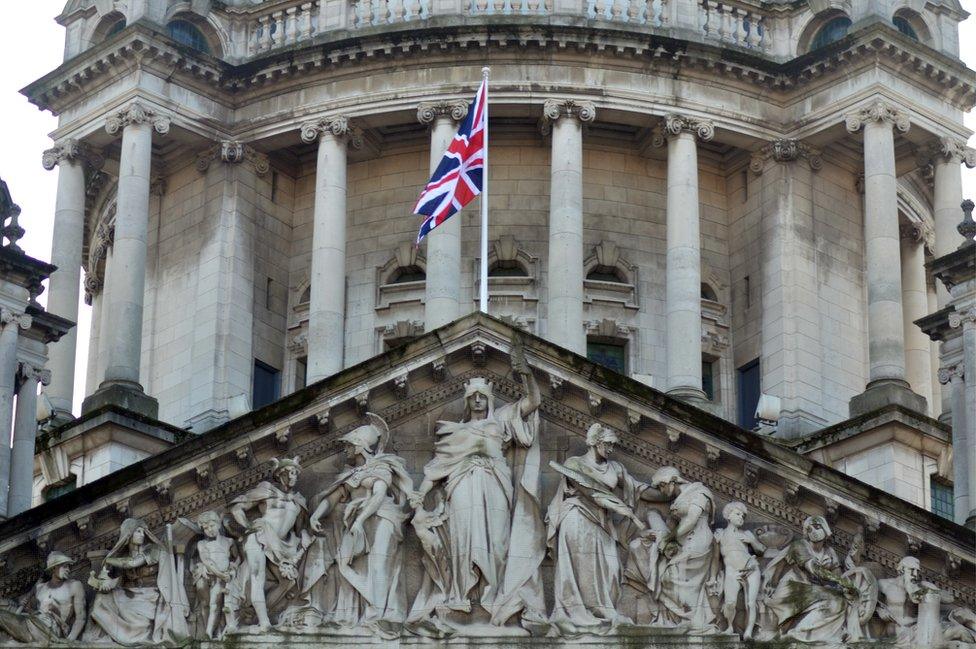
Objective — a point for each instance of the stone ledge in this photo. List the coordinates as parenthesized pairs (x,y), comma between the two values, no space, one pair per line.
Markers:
(885,393)
(131,398)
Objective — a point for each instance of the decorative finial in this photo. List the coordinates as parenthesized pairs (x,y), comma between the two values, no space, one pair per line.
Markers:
(485,72)
(11,231)
(968,227)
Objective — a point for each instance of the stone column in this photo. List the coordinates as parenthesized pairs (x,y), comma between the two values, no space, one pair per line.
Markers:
(62,300)
(25,432)
(945,156)
(918,351)
(442,292)
(966,319)
(953,376)
(683,281)
(327,306)
(565,119)
(10,322)
(886,330)
(125,283)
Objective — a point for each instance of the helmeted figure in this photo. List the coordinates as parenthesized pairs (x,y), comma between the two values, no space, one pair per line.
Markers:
(55,608)
(275,541)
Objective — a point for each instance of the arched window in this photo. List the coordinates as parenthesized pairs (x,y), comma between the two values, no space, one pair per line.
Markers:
(708,293)
(601,273)
(905,27)
(404,274)
(833,30)
(186,33)
(115,28)
(507,268)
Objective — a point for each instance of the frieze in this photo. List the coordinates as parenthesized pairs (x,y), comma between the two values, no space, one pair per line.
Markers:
(230,521)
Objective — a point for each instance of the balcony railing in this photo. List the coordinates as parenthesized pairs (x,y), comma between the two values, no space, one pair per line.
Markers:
(283,23)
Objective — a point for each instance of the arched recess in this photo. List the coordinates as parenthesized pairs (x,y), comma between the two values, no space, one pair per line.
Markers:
(195,31)
(911,23)
(609,277)
(403,278)
(826,27)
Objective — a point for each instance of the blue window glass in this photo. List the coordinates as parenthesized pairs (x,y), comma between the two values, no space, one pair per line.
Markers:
(608,355)
(748,385)
(116,27)
(186,33)
(266,386)
(834,30)
(942,499)
(905,27)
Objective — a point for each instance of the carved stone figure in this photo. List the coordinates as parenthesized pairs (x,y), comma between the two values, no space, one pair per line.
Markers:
(810,597)
(55,609)
(582,535)
(367,502)
(686,561)
(495,537)
(145,601)
(275,540)
(740,568)
(214,572)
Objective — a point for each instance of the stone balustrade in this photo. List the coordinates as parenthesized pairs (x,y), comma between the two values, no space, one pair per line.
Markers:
(270,26)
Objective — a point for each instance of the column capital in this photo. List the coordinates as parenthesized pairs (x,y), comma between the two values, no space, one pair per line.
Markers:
(877,111)
(554,109)
(72,151)
(93,286)
(456,109)
(960,318)
(28,371)
(951,373)
(674,124)
(233,152)
(946,149)
(336,125)
(22,320)
(917,233)
(783,151)
(137,113)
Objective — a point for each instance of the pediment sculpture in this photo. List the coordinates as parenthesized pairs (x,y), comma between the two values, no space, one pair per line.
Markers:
(608,551)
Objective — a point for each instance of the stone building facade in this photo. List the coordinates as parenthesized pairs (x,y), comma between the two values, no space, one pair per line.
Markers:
(732,202)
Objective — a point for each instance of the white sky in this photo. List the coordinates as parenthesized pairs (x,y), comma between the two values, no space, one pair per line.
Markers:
(31,45)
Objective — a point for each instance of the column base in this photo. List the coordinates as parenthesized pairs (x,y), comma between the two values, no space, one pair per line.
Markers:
(688,394)
(58,418)
(128,396)
(885,392)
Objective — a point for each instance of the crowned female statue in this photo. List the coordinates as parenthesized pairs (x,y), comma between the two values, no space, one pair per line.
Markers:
(487,468)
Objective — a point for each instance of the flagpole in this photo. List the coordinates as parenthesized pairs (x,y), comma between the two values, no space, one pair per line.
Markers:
(483,284)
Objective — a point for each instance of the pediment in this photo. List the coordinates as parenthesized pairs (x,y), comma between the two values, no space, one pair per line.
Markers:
(414,386)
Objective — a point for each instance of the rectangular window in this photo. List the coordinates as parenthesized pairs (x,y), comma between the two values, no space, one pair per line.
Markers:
(301,372)
(708,378)
(266,385)
(748,387)
(942,499)
(611,355)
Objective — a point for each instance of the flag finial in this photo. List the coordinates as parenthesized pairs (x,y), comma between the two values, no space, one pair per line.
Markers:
(485,71)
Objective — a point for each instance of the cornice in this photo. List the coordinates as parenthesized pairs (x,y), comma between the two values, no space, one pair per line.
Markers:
(233,85)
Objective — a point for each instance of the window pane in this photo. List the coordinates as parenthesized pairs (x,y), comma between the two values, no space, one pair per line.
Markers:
(905,27)
(834,30)
(748,385)
(301,372)
(118,26)
(942,496)
(266,385)
(708,379)
(608,355)
(186,33)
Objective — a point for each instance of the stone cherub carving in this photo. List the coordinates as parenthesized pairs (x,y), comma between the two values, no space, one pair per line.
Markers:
(495,537)
(55,609)
(740,567)
(214,573)
(583,538)
(145,602)
(274,542)
(367,503)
